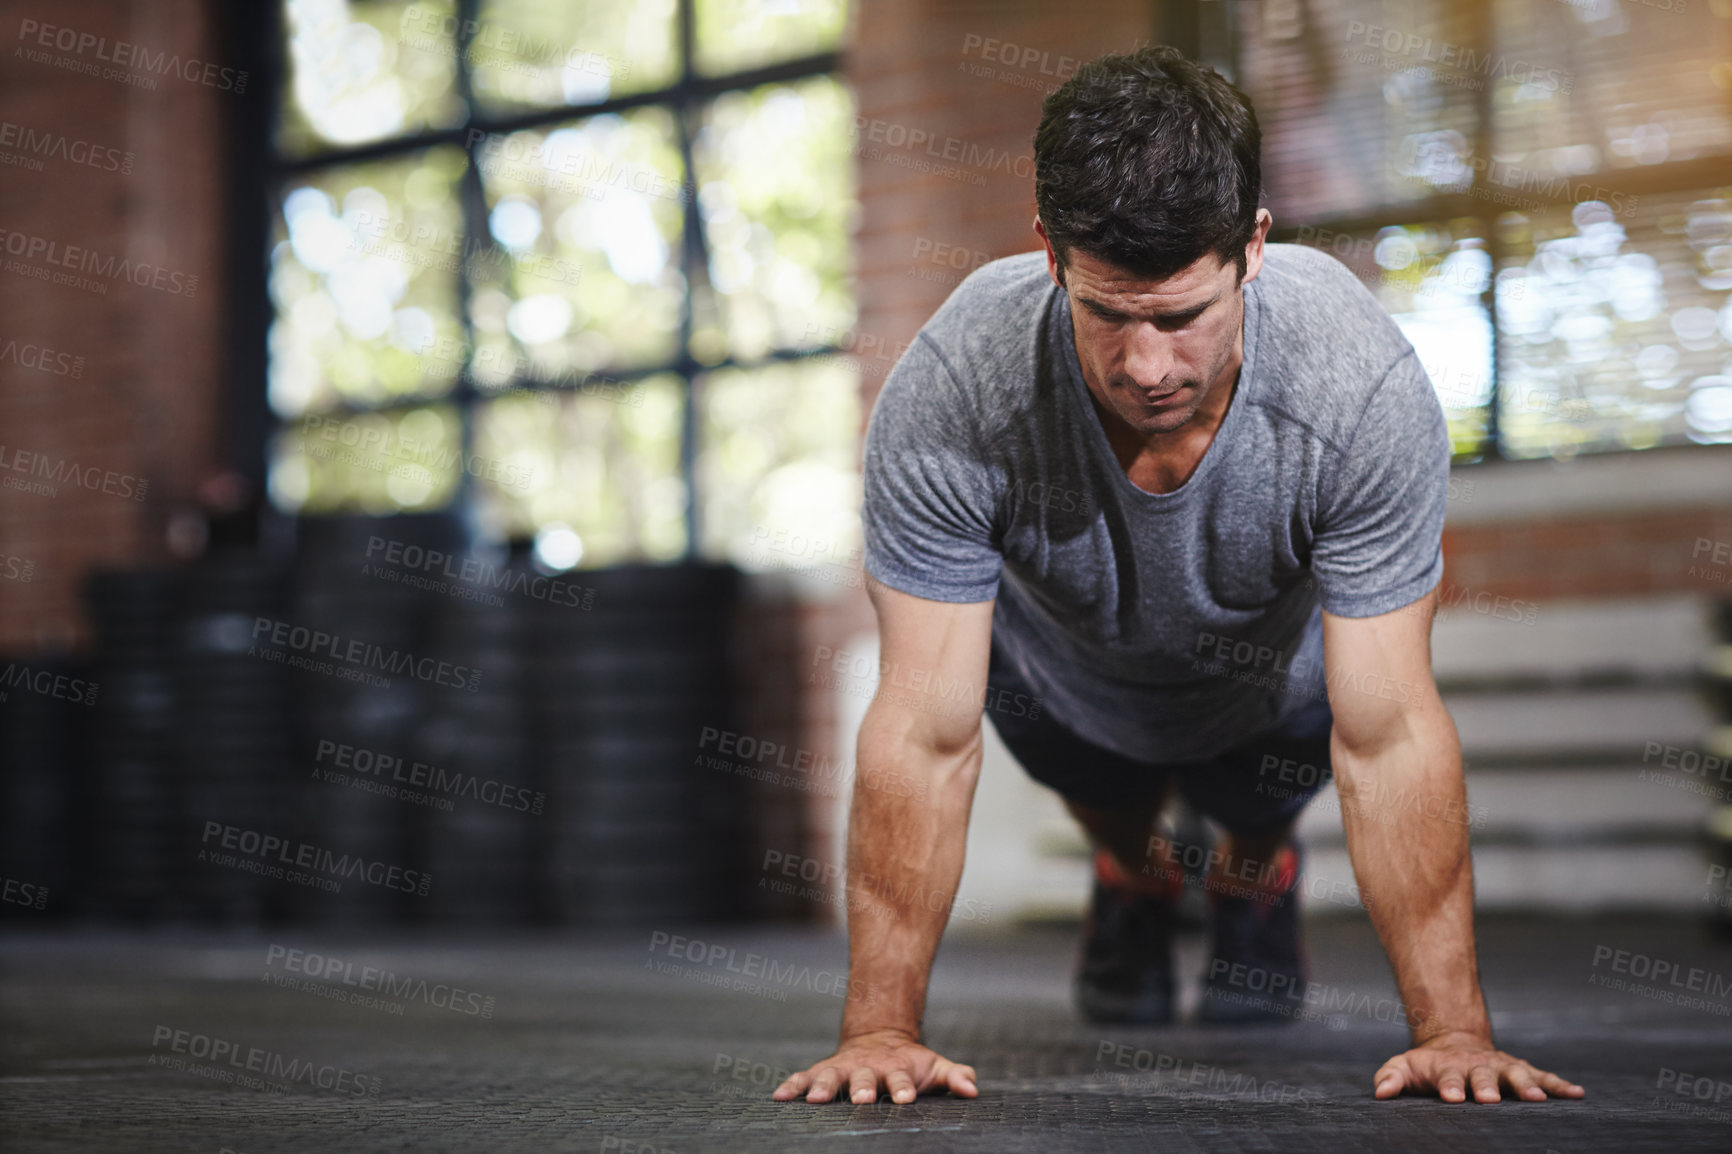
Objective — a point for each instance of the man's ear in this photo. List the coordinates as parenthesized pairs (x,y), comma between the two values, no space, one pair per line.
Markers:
(1054,268)
(1254,247)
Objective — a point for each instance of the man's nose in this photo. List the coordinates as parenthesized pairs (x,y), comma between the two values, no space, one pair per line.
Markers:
(1148,355)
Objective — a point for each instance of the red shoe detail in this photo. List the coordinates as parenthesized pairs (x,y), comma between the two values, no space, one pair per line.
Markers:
(1268,886)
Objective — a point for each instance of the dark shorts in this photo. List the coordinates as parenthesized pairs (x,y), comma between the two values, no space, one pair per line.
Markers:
(1254,789)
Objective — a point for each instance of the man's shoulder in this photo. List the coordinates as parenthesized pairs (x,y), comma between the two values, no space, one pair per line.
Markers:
(979,324)
(976,353)
(1324,343)
(1022,276)
(1312,302)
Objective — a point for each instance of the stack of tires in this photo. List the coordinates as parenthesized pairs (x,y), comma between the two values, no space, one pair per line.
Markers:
(1718,668)
(477,748)
(45,723)
(363,581)
(532,741)
(137,843)
(232,730)
(641,831)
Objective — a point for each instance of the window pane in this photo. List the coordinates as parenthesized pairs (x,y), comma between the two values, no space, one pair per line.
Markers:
(367,71)
(1362,103)
(1611,86)
(776,185)
(778,467)
(1430,278)
(1620,339)
(364,282)
(404,461)
(591,213)
(604,463)
(533,54)
(737,34)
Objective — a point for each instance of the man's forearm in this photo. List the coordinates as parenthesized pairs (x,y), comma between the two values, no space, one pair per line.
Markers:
(905,853)
(1403,807)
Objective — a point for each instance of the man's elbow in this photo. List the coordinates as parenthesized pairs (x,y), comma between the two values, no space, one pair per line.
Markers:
(940,760)
(1409,739)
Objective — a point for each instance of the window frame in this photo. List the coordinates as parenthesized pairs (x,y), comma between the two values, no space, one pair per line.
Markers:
(1639,181)
(684,99)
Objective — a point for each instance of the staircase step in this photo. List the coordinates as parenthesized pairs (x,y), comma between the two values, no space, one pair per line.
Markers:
(1580,724)
(1586,879)
(1544,807)
(1644,638)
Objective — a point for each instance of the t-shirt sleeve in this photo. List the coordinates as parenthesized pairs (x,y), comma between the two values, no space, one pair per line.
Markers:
(927,507)
(1379,539)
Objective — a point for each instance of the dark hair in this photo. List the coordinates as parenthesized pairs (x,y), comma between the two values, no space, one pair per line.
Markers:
(1148,161)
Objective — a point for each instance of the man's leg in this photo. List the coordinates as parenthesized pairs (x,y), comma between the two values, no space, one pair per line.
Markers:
(1126,969)
(1250,860)
(1257,967)
(1128,836)
(1147,863)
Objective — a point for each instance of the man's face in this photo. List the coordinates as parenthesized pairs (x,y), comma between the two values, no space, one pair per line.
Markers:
(1154,351)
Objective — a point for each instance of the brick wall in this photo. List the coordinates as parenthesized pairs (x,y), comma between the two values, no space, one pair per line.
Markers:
(1603,555)
(133,395)
(970,75)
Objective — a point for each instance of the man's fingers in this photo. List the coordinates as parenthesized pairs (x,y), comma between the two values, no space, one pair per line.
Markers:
(1451,1086)
(793,1087)
(1454,1074)
(1558,1087)
(863,1085)
(1391,1080)
(863,1073)
(824,1085)
(1520,1077)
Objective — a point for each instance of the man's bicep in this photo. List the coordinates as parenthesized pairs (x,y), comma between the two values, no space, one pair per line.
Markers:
(930,498)
(934,656)
(1378,669)
(1380,522)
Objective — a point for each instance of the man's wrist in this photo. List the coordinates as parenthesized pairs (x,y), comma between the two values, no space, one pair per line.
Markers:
(853,1032)
(877,1003)
(1426,1033)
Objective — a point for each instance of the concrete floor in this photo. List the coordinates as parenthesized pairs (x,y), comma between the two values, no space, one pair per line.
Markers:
(581,1043)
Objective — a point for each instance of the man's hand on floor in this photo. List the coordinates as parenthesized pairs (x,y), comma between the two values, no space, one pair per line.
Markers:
(882,1059)
(1449,1064)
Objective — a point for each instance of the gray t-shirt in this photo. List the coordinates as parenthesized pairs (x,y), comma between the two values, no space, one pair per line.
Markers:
(1164,627)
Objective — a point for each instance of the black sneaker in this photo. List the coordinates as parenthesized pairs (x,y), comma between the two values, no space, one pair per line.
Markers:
(1256,973)
(1127,957)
